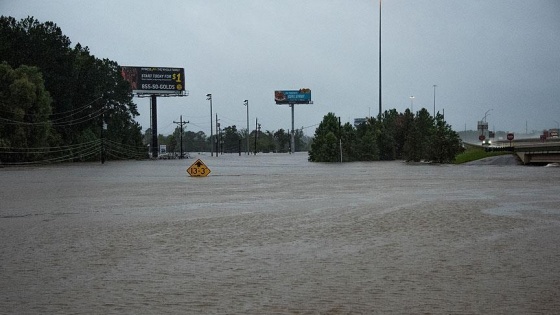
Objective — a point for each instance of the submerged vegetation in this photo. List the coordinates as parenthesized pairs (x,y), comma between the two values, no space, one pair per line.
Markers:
(392,136)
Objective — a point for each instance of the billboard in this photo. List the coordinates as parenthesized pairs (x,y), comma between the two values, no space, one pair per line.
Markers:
(155,80)
(301,96)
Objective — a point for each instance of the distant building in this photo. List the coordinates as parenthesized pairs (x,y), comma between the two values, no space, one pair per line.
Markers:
(359,121)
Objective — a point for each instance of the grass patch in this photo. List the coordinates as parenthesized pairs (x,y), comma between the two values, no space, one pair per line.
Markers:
(473,154)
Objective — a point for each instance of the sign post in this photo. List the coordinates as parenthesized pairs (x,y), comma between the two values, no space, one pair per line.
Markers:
(510,137)
(292,97)
(153,82)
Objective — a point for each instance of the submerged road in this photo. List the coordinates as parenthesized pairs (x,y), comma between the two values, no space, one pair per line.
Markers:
(275,234)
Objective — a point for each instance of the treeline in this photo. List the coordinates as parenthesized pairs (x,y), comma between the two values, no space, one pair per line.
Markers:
(61,103)
(232,140)
(392,136)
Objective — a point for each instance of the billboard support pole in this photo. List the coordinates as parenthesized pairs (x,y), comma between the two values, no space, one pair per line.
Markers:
(292,97)
(293,140)
(155,147)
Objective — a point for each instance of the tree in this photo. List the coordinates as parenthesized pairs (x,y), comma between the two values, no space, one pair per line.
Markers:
(418,143)
(325,142)
(366,144)
(231,139)
(86,92)
(391,136)
(348,141)
(282,140)
(445,142)
(386,131)
(25,107)
(299,139)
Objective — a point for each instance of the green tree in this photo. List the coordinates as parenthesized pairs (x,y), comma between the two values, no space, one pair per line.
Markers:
(282,139)
(231,139)
(366,144)
(348,142)
(391,136)
(386,132)
(266,142)
(196,141)
(325,142)
(445,142)
(25,107)
(299,139)
(86,92)
(404,124)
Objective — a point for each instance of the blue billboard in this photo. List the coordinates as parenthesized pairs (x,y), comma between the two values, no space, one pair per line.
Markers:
(301,96)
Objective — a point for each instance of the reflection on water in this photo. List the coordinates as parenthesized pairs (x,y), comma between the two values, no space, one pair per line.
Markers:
(277,234)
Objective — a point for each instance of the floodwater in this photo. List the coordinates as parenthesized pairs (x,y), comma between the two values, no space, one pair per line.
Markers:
(275,234)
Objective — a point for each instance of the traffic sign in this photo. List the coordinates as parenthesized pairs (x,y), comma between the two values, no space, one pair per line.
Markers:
(510,136)
(198,169)
(481,137)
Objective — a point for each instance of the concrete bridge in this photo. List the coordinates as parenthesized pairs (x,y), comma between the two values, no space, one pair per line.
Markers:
(530,151)
(538,153)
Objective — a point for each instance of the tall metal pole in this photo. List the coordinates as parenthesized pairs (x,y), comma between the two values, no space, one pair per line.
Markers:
(435,100)
(102,140)
(293,139)
(181,123)
(380,109)
(155,148)
(247,104)
(181,137)
(209,97)
(256,133)
(217,136)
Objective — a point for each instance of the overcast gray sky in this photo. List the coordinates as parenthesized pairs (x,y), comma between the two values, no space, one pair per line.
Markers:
(498,55)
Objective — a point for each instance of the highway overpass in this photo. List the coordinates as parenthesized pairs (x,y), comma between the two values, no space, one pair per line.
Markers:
(530,151)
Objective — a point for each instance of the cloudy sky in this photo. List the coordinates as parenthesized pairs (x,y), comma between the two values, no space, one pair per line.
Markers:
(495,56)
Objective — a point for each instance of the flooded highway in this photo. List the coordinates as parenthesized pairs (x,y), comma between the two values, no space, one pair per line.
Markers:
(275,234)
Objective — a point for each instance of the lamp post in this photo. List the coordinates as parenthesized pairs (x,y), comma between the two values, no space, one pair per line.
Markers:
(246,103)
(557,125)
(485,124)
(412,104)
(209,97)
(435,100)
(486,114)
(380,109)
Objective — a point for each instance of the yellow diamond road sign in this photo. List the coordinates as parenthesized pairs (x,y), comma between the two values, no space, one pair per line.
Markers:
(198,169)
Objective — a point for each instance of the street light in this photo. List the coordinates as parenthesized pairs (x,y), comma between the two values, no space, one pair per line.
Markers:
(379,59)
(486,114)
(209,98)
(435,100)
(557,124)
(412,104)
(246,103)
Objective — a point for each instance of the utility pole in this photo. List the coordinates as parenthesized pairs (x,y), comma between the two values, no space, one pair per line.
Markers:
(209,98)
(246,103)
(340,138)
(435,86)
(257,129)
(181,123)
(217,135)
(103,127)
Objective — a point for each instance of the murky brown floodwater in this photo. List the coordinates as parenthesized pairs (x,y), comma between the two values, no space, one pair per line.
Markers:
(276,234)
